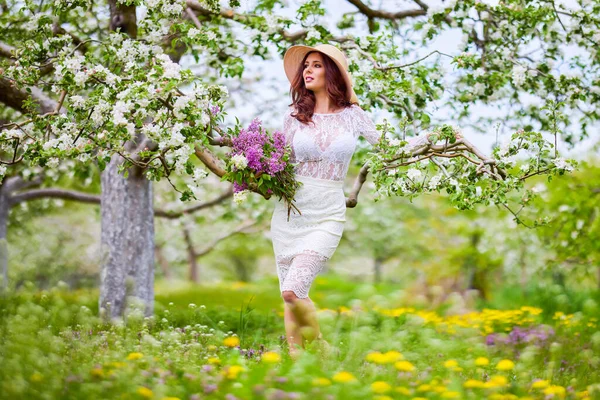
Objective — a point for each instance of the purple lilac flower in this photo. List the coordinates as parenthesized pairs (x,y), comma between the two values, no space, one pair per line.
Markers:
(215,110)
(254,155)
(237,187)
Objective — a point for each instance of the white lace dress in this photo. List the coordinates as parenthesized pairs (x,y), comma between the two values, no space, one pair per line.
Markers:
(322,152)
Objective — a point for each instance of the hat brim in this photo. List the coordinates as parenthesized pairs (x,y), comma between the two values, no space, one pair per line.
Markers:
(294,56)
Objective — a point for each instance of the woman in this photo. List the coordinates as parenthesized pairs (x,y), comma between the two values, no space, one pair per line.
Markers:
(322,125)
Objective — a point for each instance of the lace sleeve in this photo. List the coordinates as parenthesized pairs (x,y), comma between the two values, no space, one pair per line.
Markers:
(288,130)
(367,128)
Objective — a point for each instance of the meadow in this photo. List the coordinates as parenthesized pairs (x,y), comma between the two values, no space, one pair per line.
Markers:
(226,342)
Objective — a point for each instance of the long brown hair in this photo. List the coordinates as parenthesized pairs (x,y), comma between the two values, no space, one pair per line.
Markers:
(304,100)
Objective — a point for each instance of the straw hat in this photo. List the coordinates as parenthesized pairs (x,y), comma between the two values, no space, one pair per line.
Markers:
(294,55)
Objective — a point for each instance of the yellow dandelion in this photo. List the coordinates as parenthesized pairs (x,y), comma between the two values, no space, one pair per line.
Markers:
(212,347)
(404,366)
(496,381)
(555,390)
(344,377)
(36,377)
(380,387)
(450,395)
(424,388)
(271,357)
(473,383)
(541,384)
(135,356)
(231,341)
(97,372)
(451,364)
(481,361)
(382,398)
(117,364)
(403,390)
(419,398)
(145,392)
(375,357)
(233,371)
(214,360)
(321,382)
(505,365)
(392,356)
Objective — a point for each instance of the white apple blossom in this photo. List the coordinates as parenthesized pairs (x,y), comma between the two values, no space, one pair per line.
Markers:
(518,75)
(414,173)
(313,34)
(434,182)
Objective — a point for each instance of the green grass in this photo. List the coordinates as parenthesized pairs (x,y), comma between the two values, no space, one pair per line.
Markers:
(54,346)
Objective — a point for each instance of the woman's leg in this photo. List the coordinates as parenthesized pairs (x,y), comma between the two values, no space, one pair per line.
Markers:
(300,314)
(300,319)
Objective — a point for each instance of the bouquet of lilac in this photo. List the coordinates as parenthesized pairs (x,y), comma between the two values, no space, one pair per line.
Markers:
(259,162)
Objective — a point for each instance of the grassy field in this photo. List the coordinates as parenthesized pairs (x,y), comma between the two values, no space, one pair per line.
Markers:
(225,342)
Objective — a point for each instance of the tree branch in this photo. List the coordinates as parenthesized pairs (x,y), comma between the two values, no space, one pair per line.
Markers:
(176,214)
(373,13)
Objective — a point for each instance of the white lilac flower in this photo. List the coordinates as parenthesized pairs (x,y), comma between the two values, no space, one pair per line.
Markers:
(240,161)
(152,3)
(413,173)
(241,196)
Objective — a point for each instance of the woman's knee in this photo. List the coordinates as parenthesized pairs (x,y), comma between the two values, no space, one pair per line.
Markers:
(289,296)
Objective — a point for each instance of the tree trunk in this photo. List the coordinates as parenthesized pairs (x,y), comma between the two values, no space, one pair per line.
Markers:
(241,269)
(127,240)
(4,209)
(377,267)
(192,256)
(162,262)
